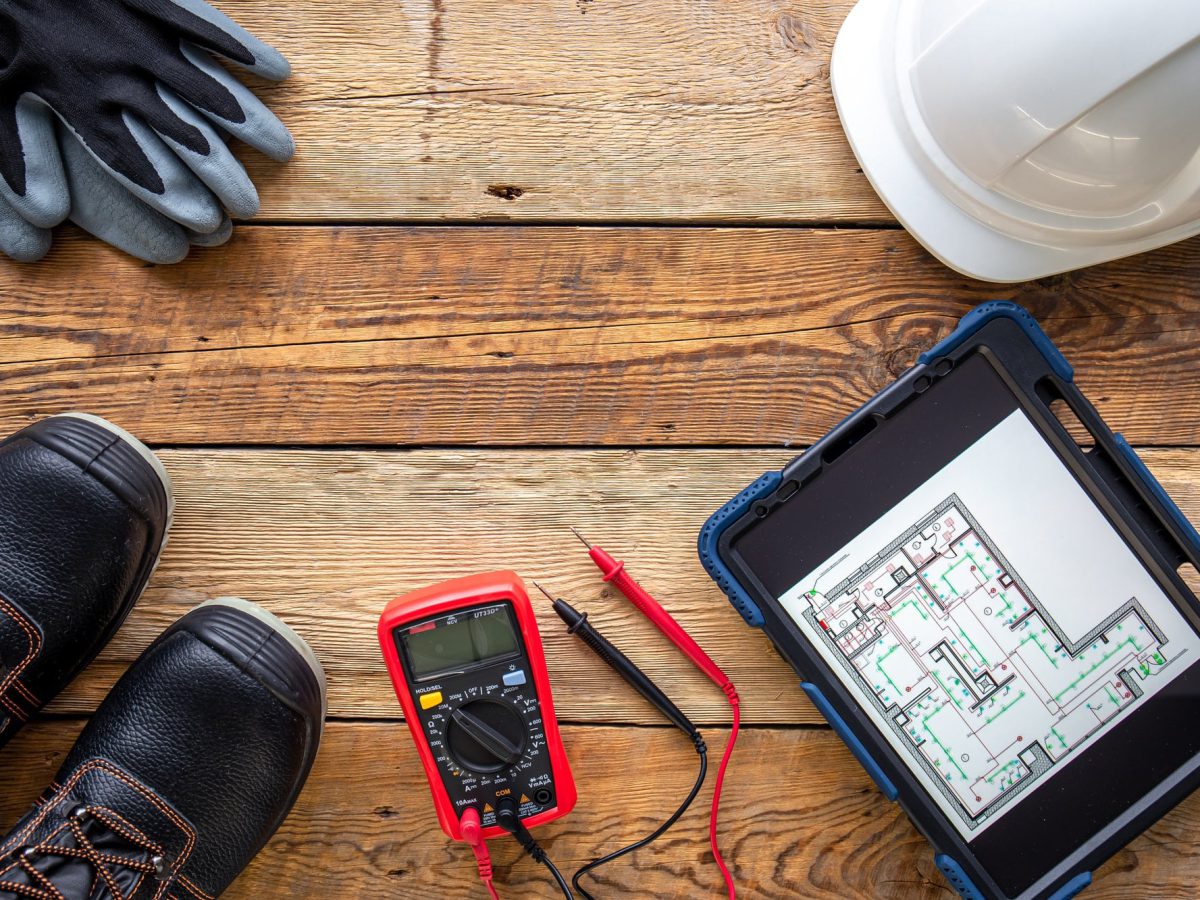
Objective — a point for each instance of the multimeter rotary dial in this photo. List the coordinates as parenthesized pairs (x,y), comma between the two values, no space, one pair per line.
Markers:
(486,736)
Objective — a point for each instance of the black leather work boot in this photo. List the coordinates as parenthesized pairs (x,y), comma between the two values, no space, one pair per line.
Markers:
(84,511)
(185,771)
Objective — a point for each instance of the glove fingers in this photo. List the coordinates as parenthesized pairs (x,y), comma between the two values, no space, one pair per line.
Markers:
(151,107)
(19,239)
(215,31)
(44,202)
(223,233)
(198,88)
(105,207)
(260,128)
(268,62)
(183,198)
(219,168)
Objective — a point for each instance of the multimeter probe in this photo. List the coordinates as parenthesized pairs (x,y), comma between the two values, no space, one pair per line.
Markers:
(613,571)
(577,624)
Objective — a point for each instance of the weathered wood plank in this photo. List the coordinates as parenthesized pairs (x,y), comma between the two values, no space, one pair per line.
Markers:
(552,336)
(613,110)
(326,539)
(799,819)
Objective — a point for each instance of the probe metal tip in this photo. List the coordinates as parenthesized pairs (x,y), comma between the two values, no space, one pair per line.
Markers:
(549,596)
(582,539)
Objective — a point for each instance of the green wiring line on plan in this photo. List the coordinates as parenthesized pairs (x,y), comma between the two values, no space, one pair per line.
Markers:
(945,750)
(1033,637)
(883,672)
(978,652)
(967,557)
(1062,740)
(909,602)
(1000,771)
(1007,706)
(947,690)
(947,580)
(1103,660)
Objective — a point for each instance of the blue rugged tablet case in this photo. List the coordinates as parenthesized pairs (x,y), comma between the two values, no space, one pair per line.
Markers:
(1124,472)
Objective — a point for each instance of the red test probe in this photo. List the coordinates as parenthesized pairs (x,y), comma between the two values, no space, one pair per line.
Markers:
(614,572)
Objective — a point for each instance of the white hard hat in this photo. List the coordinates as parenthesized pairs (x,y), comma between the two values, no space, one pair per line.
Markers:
(1020,138)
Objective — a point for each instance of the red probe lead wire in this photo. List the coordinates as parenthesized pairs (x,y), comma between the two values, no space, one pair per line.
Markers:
(472,832)
(613,571)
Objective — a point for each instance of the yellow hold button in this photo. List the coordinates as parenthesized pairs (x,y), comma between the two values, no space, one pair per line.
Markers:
(428,701)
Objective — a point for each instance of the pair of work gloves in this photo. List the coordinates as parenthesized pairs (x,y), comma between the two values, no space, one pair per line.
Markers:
(115,114)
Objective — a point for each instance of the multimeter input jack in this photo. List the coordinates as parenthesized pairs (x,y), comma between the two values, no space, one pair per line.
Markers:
(508,817)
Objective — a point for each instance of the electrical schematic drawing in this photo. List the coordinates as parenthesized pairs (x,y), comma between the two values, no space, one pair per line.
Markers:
(970,669)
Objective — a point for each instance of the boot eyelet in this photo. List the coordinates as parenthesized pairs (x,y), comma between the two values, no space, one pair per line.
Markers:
(29,853)
(162,869)
(80,813)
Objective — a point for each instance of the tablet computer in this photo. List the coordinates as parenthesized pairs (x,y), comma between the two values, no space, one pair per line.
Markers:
(991,617)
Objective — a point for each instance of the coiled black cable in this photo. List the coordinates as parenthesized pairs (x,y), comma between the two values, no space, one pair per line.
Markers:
(702,751)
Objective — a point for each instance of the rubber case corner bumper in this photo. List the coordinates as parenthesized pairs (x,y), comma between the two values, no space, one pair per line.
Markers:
(710,537)
(1001,309)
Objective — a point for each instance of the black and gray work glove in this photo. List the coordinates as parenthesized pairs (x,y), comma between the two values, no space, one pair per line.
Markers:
(113,113)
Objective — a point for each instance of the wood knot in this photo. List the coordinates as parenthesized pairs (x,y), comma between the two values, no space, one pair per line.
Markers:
(505,191)
(796,34)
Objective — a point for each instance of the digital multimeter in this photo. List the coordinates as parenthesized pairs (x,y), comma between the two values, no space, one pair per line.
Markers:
(466,660)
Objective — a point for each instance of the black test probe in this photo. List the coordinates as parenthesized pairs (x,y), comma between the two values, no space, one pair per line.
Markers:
(578,625)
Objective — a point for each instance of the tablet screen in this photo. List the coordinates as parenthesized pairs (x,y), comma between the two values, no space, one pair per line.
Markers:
(979,605)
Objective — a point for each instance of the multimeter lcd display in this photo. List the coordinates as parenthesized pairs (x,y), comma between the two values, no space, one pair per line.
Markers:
(994,625)
(458,642)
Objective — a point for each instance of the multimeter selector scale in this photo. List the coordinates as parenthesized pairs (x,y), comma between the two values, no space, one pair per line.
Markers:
(488,743)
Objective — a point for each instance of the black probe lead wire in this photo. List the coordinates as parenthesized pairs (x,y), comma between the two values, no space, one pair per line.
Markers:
(508,819)
(617,854)
(562,882)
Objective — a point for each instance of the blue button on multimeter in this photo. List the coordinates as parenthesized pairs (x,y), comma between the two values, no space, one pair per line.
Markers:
(514,679)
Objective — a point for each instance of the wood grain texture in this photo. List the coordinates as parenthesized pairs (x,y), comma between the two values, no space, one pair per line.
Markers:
(583,109)
(552,336)
(800,819)
(326,538)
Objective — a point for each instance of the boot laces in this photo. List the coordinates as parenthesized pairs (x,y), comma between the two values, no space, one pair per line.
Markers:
(102,862)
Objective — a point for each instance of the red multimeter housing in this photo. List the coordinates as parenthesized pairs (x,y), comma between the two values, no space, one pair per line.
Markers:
(467,663)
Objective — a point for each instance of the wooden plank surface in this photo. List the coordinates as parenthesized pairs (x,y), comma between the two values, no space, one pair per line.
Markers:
(585,111)
(326,538)
(808,824)
(595,110)
(552,336)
